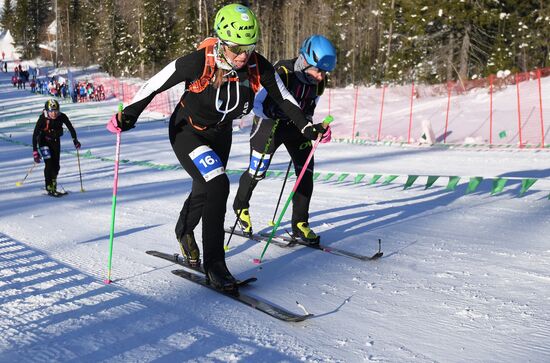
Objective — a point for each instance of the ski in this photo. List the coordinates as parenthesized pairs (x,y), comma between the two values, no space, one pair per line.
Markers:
(285,241)
(177,258)
(259,238)
(57,194)
(335,251)
(253,302)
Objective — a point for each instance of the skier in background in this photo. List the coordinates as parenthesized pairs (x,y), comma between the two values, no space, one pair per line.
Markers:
(46,137)
(305,78)
(221,79)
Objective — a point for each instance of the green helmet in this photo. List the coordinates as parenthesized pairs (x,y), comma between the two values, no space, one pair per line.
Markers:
(237,24)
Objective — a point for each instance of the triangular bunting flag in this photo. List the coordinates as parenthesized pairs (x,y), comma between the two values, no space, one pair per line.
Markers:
(329,175)
(375,179)
(498,185)
(431,181)
(315,175)
(389,179)
(453,182)
(342,177)
(473,184)
(410,181)
(525,185)
(358,178)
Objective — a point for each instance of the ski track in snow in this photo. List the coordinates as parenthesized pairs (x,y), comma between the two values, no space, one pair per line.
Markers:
(463,277)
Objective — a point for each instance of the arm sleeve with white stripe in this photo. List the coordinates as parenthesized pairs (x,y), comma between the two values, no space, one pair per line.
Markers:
(184,69)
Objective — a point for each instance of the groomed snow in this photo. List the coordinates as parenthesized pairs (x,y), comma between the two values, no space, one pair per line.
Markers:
(464,278)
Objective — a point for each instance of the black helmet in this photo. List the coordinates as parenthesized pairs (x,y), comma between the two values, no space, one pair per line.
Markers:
(51,105)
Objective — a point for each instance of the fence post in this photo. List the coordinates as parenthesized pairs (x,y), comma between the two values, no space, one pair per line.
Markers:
(519,112)
(355,113)
(540,108)
(381,112)
(447,114)
(411,114)
(491,109)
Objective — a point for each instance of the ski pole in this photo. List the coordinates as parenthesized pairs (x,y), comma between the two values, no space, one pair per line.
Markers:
(113,206)
(19,183)
(326,122)
(79,171)
(249,191)
(272,221)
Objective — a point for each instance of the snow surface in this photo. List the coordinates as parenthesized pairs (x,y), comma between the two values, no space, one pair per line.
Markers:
(464,278)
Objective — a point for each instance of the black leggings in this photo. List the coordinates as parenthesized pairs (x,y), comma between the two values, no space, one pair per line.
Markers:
(297,146)
(209,192)
(51,168)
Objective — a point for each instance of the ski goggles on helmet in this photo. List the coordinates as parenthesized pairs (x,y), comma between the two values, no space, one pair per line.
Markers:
(238,48)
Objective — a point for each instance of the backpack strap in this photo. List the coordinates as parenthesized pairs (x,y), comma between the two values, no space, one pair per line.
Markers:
(254,73)
(209,66)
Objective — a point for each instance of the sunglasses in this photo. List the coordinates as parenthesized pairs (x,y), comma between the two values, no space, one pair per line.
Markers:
(239,49)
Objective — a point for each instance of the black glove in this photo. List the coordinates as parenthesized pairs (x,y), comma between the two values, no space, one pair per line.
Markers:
(126,122)
(76,143)
(312,132)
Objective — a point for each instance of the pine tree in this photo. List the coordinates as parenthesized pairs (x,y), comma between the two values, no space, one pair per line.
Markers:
(157,34)
(186,28)
(6,19)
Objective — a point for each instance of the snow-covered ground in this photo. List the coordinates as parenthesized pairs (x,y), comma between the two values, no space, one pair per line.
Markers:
(464,278)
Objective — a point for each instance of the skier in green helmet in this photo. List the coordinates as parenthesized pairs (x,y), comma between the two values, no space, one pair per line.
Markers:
(221,79)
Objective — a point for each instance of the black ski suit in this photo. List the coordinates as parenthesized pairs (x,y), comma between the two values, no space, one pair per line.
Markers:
(286,132)
(200,132)
(46,137)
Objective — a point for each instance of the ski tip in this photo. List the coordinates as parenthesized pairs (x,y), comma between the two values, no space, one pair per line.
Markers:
(257,261)
(107,281)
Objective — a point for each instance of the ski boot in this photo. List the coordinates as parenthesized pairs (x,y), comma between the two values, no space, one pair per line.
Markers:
(302,231)
(220,278)
(190,250)
(52,189)
(244,221)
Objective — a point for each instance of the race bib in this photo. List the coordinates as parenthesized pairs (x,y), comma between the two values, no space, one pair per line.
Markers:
(255,163)
(207,161)
(45,151)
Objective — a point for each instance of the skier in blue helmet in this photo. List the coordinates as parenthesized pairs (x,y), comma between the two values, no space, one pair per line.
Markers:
(305,78)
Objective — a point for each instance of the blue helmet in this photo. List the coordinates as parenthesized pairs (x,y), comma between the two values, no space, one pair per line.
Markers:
(319,52)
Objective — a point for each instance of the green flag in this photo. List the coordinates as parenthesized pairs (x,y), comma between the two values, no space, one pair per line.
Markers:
(410,181)
(498,185)
(525,185)
(389,179)
(329,175)
(431,181)
(358,178)
(342,177)
(453,182)
(375,179)
(473,184)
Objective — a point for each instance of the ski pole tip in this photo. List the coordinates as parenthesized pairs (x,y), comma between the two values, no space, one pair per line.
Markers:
(271,223)
(107,281)
(257,261)
(226,248)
